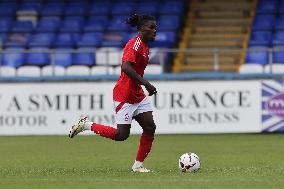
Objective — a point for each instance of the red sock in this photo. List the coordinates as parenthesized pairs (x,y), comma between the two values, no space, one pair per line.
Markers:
(144,147)
(104,131)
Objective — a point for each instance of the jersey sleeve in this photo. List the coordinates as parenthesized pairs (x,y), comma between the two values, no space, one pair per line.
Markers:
(129,53)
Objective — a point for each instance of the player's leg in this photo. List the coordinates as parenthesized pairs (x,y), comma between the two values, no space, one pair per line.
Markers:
(103,130)
(120,133)
(123,117)
(123,131)
(146,121)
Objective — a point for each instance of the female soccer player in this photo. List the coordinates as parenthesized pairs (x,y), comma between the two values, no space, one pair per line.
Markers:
(129,98)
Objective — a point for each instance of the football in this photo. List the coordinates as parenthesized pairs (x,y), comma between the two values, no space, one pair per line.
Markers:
(189,162)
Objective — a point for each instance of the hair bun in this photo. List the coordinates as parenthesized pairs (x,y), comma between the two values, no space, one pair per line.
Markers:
(133,20)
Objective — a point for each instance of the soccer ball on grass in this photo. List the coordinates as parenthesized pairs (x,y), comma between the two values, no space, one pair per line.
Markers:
(189,162)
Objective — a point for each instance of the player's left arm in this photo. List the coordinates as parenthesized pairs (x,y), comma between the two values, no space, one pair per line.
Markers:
(128,70)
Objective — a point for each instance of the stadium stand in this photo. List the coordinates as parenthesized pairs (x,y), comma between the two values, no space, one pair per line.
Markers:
(230,34)
(78,70)
(17,40)
(257,55)
(28,71)
(7,71)
(210,34)
(108,56)
(40,28)
(62,57)
(53,70)
(215,31)
(41,40)
(278,55)
(251,68)
(154,69)
(13,57)
(101,70)
(267,34)
(37,57)
(274,68)
(84,57)
(48,24)
(260,38)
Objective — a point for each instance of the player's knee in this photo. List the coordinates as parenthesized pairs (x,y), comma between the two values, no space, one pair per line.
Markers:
(122,133)
(150,129)
(121,137)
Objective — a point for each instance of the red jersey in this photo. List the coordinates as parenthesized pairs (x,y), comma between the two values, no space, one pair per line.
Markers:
(126,89)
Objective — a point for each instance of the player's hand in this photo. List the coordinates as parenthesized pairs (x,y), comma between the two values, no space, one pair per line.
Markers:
(150,88)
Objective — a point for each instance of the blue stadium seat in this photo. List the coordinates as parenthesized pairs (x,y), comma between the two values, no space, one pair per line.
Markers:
(267,7)
(147,8)
(66,40)
(31,6)
(278,38)
(47,24)
(164,40)
(38,57)
(17,40)
(281,8)
(54,1)
(42,40)
(80,19)
(124,1)
(158,57)
(53,9)
(278,54)
(76,9)
(99,18)
(168,23)
(263,22)
(172,7)
(9,1)
(123,8)
(96,24)
(5,24)
(118,24)
(87,58)
(279,24)
(90,40)
(8,8)
(100,8)
(113,39)
(62,57)
(72,24)
(257,55)
(3,38)
(260,38)
(22,26)
(13,57)
(128,36)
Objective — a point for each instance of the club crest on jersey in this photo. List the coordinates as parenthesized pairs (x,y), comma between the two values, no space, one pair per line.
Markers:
(126,117)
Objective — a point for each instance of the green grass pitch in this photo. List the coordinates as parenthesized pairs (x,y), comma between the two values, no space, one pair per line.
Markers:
(227,161)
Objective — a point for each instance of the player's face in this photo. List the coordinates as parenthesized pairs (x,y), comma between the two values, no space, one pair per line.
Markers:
(149,30)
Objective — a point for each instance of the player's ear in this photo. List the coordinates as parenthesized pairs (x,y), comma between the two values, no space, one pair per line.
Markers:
(142,28)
